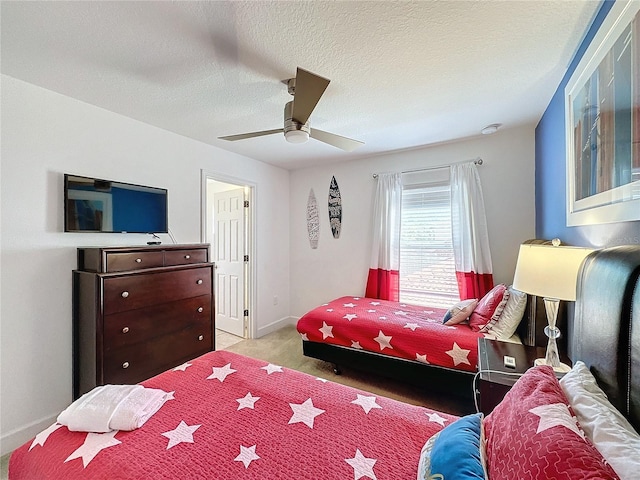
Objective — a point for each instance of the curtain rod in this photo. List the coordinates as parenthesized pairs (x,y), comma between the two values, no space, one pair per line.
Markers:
(477,161)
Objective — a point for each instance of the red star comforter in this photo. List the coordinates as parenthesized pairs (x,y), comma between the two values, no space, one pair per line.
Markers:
(396,329)
(234,417)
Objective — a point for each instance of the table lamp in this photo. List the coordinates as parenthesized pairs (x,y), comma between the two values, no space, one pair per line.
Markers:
(551,272)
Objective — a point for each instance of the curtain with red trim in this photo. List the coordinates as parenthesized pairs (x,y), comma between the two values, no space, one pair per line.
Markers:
(384,278)
(474,270)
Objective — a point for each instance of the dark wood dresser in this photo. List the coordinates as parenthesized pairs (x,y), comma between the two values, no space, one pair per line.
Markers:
(138,311)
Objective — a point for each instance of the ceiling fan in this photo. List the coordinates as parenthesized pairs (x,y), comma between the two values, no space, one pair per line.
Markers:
(306,88)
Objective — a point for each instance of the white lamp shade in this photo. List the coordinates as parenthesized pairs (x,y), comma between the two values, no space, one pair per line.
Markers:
(548,271)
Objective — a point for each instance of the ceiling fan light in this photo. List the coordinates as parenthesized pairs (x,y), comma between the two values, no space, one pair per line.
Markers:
(296,136)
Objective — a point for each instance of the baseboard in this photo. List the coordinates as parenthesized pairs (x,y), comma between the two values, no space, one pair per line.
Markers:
(277,325)
(15,438)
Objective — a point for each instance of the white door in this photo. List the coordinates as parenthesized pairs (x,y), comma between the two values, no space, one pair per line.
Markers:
(229,258)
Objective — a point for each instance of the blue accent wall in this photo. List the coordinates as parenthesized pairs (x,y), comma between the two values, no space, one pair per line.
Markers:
(551,174)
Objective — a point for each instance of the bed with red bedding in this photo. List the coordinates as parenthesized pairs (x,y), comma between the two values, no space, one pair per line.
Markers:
(399,330)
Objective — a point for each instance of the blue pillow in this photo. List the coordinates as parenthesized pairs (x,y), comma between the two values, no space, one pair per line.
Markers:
(456,451)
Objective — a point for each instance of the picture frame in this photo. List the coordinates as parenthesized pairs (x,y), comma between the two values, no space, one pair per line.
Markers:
(602,121)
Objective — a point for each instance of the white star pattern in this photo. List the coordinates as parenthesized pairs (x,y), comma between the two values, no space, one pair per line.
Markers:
(183,433)
(329,310)
(169,396)
(247,455)
(304,337)
(459,355)
(93,444)
(248,401)
(323,380)
(355,344)
(421,358)
(412,326)
(384,341)
(182,367)
(375,303)
(356,298)
(349,305)
(556,414)
(371,311)
(400,313)
(367,403)
(435,418)
(362,466)
(428,312)
(221,373)
(327,330)
(350,316)
(304,413)
(44,435)
(382,318)
(271,368)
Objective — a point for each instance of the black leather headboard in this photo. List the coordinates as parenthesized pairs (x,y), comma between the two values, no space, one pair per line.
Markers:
(606,332)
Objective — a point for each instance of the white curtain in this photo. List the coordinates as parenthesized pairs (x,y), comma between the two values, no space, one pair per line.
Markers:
(474,269)
(384,278)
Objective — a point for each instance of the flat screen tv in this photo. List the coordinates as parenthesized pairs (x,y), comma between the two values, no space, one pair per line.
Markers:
(95,205)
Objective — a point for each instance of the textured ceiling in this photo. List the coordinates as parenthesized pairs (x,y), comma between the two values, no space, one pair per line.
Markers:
(403,74)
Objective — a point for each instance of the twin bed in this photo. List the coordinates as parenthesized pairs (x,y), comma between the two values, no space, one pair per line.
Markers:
(233,417)
(408,342)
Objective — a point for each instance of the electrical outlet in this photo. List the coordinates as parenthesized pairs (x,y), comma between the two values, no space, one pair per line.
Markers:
(275,299)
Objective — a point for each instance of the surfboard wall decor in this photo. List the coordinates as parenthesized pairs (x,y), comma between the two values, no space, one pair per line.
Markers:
(335,208)
(313,220)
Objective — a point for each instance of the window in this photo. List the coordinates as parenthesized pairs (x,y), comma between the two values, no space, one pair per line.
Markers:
(427,266)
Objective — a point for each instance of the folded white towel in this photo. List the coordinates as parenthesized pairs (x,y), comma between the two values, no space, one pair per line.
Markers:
(112,407)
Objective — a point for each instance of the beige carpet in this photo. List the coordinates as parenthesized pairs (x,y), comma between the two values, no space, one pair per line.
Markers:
(284,348)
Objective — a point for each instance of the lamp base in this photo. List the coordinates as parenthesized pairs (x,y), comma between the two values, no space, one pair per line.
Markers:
(562,368)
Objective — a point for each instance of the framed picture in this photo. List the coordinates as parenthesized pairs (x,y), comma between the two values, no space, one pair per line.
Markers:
(602,107)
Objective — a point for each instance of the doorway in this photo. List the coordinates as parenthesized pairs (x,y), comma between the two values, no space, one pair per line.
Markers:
(227,226)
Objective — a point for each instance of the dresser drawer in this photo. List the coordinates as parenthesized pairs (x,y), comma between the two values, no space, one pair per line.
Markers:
(134,326)
(137,291)
(138,362)
(185,257)
(124,261)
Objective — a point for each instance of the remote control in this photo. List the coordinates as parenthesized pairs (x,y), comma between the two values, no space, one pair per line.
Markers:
(509,362)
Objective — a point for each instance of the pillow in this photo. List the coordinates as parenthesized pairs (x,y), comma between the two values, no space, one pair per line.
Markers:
(460,312)
(606,427)
(457,451)
(510,318)
(487,307)
(533,434)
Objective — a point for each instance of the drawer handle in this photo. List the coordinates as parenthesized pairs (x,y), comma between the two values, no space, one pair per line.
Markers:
(187,257)
(125,294)
(200,309)
(125,330)
(199,282)
(138,260)
(125,365)
(201,337)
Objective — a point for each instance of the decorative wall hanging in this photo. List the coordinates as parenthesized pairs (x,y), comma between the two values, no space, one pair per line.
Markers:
(602,109)
(335,208)
(313,220)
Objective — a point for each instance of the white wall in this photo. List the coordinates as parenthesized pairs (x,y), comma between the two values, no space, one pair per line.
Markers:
(340,266)
(45,135)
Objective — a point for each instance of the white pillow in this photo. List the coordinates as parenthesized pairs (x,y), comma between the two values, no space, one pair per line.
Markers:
(606,427)
(511,315)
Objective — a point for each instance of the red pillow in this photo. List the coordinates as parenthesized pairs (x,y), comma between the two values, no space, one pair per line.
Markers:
(533,434)
(488,306)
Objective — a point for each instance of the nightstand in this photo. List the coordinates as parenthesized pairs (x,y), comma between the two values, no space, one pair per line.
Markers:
(491,386)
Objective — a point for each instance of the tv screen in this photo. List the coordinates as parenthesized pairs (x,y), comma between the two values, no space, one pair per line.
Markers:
(95,205)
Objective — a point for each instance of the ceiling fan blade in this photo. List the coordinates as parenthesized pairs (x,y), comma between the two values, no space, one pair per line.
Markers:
(242,136)
(346,144)
(309,89)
